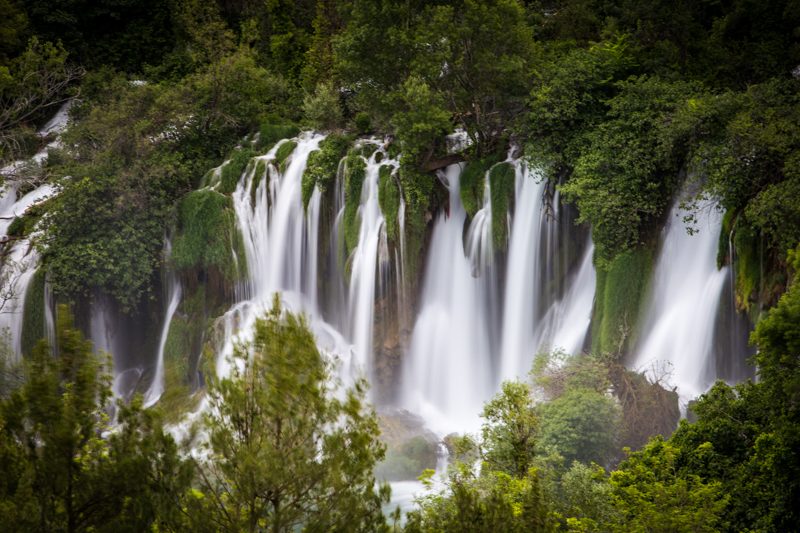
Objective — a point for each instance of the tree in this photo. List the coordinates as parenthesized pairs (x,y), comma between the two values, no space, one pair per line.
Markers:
(66,467)
(506,495)
(285,448)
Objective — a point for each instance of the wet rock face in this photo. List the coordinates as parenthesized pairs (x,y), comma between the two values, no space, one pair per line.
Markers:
(410,446)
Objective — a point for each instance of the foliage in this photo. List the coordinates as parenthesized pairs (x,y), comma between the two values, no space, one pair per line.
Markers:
(509,430)
(501,183)
(321,109)
(389,194)
(624,180)
(32,85)
(582,425)
(59,473)
(620,290)
(355,169)
(507,495)
(284,449)
(323,164)
(207,236)
(650,496)
(422,122)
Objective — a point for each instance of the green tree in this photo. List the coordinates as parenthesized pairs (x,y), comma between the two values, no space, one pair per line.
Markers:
(650,495)
(506,495)
(285,449)
(66,467)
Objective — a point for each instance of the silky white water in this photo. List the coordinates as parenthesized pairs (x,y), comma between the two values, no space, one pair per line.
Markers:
(447,374)
(678,326)
(173,288)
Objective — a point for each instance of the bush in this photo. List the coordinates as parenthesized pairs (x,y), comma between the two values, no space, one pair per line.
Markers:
(321,109)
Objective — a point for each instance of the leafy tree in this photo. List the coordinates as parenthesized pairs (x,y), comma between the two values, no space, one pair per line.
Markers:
(650,496)
(31,86)
(65,467)
(625,178)
(510,429)
(285,449)
(507,494)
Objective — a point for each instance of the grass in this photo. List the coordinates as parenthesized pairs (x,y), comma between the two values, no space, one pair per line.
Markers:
(501,180)
(389,199)
(354,181)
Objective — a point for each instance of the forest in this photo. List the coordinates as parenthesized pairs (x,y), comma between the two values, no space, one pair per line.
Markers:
(266,264)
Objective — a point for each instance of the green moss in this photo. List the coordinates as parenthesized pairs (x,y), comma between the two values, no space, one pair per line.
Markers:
(323,164)
(623,286)
(419,191)
(33,322)
(233,169)
(363,149)
(270,133)
(207,234)
(389,199)
(747,265)
(501,180)
(723,247)
(282,154)
(16,228)
(261,169)
(473,183)
(177,398)
(354,181)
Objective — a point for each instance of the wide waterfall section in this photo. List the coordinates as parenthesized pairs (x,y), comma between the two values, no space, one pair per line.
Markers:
(675,343)
(459,351)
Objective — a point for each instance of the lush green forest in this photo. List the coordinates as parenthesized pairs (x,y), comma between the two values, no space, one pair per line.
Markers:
(619,102)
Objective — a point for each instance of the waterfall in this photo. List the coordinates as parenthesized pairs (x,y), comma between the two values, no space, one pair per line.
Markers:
(447,374)
(570,317)
(20,264)
(282,249)
(173,288)
(678,325)
(371,244)
(524,263)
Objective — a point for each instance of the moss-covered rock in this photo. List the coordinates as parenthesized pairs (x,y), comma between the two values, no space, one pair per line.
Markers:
(33,321)
(501,183)
(232,171)
(355,172)
(323,164)
(620,292)
(473,183)
(258,176)
(389,195)
(420,193)
(410,447)
(282,154)
(207,236)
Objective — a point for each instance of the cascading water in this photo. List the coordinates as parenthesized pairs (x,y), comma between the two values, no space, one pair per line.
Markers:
(173,288)
(448,372)
(678,325)
(19,266)
(524,262)
(450,368)
(371,248)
